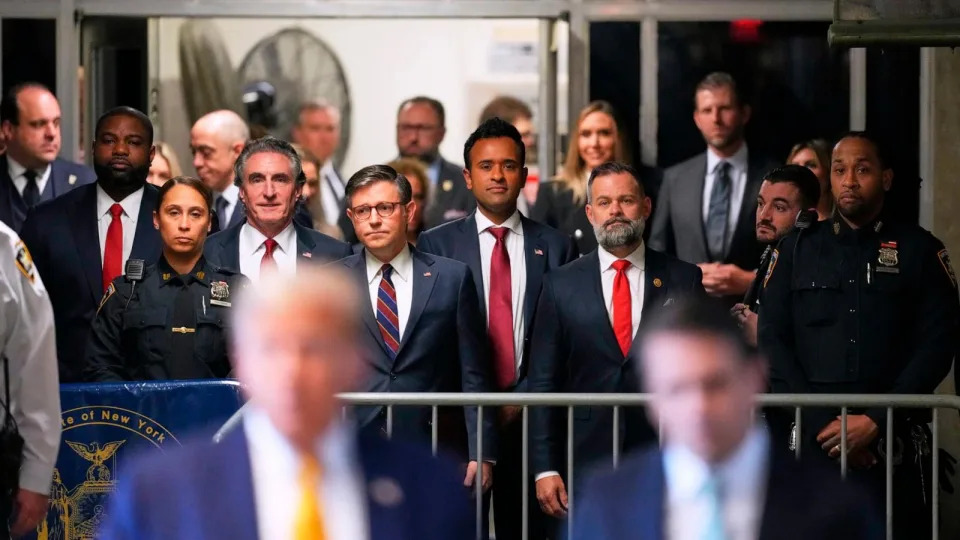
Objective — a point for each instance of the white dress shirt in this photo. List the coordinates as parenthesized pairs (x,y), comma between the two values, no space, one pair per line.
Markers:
(739,165)
(275,470)
(232,196)
(518,271)
(16,171)
(332,190)
(402,279)
(131,211)
(635,277)
(743,478)
(252,249)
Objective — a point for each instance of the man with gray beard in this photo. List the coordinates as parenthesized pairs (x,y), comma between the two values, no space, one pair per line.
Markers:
(582,341)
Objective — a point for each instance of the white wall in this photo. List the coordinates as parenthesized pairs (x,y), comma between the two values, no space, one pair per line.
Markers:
(385,61)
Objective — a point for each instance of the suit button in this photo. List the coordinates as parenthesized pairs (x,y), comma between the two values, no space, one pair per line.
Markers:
(393,376)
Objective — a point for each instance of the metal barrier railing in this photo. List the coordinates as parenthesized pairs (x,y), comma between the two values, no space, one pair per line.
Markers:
(617,401)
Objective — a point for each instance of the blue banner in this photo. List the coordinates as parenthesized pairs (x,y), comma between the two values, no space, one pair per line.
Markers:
(105,424)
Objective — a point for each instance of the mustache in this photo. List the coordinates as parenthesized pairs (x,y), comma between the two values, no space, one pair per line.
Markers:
(613,220)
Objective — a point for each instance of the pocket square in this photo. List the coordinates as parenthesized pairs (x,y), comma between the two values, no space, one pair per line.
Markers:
(538,252)
(668,302)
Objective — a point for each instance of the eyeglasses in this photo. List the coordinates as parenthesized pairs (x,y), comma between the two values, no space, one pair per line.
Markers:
(384,209)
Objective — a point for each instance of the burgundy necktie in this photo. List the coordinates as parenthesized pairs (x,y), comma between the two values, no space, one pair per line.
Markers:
(622,316)
(501,311)
(113,247)
(268,263)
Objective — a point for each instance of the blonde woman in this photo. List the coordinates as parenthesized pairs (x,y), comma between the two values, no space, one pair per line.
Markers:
(164,166)
(560,202)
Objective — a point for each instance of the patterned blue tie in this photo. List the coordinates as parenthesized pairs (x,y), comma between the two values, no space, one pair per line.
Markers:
(718,213)
(387,317)
(714,527)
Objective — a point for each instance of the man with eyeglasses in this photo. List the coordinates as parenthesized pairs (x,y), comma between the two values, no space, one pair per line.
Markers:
(420,130)
(269,174)
(424,329)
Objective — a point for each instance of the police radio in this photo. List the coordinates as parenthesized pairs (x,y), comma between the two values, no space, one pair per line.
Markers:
(134,273)
(750,299)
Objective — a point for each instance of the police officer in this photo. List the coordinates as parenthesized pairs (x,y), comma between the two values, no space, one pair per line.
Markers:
(859,304)
(169,322)
(30,384)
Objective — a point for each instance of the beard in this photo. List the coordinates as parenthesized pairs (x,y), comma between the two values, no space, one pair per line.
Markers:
(129,180)
(628,232)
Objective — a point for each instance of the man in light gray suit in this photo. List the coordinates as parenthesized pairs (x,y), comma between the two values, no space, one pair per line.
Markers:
(705,213)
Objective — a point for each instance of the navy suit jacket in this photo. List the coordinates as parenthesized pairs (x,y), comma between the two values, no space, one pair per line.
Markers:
(443,349)
(64,176)
(64,239)
(802,502)
(205,491)
(545,249)
(223,249)
(574,349)
(450,199)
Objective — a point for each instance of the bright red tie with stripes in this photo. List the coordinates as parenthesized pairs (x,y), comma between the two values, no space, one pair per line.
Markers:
(387,311)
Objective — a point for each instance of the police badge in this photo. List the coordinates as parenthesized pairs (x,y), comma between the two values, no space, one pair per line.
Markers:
(219,293)
(888,254)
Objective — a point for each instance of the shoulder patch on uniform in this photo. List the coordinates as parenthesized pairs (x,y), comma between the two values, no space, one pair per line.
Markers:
(24,262)
(106,296)
(947,267)
(774,255)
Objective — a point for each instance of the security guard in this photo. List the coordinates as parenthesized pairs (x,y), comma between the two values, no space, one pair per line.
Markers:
(167,321)
(858,304)
(30,385)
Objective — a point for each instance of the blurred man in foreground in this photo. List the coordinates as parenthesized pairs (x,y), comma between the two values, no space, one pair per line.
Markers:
(717,475)
(294,469)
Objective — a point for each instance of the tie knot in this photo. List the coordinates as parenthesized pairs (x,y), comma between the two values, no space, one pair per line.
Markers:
(309,466)
(723,167)
(386,271)
(498,232)
(621,265)
(116,210)
(30,175)
(270,244)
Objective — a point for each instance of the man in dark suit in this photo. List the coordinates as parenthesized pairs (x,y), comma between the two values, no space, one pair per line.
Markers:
(424,333)
(30,171)
(216,140)
(292,468)
(268,173)
(706,207)
(420,130)
(81,241)
(582,341)
(508,256)
(718,474)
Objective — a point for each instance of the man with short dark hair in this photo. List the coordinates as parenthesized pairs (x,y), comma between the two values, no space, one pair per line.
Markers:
(422,314)
(862,305)
(717,473)
(30,171)
(508,256)
(81,241)
(705,205)
(268,172)
(583,336)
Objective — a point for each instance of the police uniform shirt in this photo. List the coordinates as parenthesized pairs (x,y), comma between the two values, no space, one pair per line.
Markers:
(165,327)
(26,323)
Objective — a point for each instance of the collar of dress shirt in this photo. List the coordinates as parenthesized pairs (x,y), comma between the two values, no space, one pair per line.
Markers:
(286,239)
(512,223)
(16,169)
(741,473)
(130,204)
(737,160)
(231,194)
(402,265)
(637,258)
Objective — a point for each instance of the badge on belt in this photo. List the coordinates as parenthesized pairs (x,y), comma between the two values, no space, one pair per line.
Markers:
(888,258)
(220,294)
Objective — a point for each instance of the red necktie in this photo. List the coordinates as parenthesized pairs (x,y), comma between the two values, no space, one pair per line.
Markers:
(268,263)
(113,249)
(501,311)
(622,315)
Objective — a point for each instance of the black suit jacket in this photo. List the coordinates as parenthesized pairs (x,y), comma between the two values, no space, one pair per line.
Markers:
(545,249)
(678,227)
(223,249)
(63,238)
(443,348)
(450,199)
(574,349)
(64,176)
(802,502)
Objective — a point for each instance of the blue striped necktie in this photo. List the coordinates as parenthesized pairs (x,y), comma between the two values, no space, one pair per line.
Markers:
(715,527)
(387,311)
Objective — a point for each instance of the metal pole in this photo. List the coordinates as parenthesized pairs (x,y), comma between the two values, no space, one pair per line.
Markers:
(525,470)
(843,442)
(578,81)
(616,436)
(935,473)
(570,472)
(68,83)
(798,435)
(928,188)
(547,103)
(389,421)
(478,488)
(858,89)
(889,474)
(649,90)
(434,435)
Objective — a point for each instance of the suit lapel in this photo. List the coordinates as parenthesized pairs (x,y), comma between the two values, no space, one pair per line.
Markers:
(239,214)
(243,525)
(471,252)
(746,220)
(653,295)
(535,252)
(229,255)
(423,281)
(146,239)
(591,274)
(305,244)
(83,221)
(358,265)
(54,185)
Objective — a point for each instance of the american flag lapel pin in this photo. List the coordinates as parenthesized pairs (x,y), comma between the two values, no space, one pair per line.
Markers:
(308,255)
(538,251)
(427,274)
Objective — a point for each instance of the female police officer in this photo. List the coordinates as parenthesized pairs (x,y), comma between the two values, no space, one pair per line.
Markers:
(169,320)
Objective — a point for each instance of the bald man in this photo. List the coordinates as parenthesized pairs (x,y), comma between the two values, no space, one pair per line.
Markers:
(216,140)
